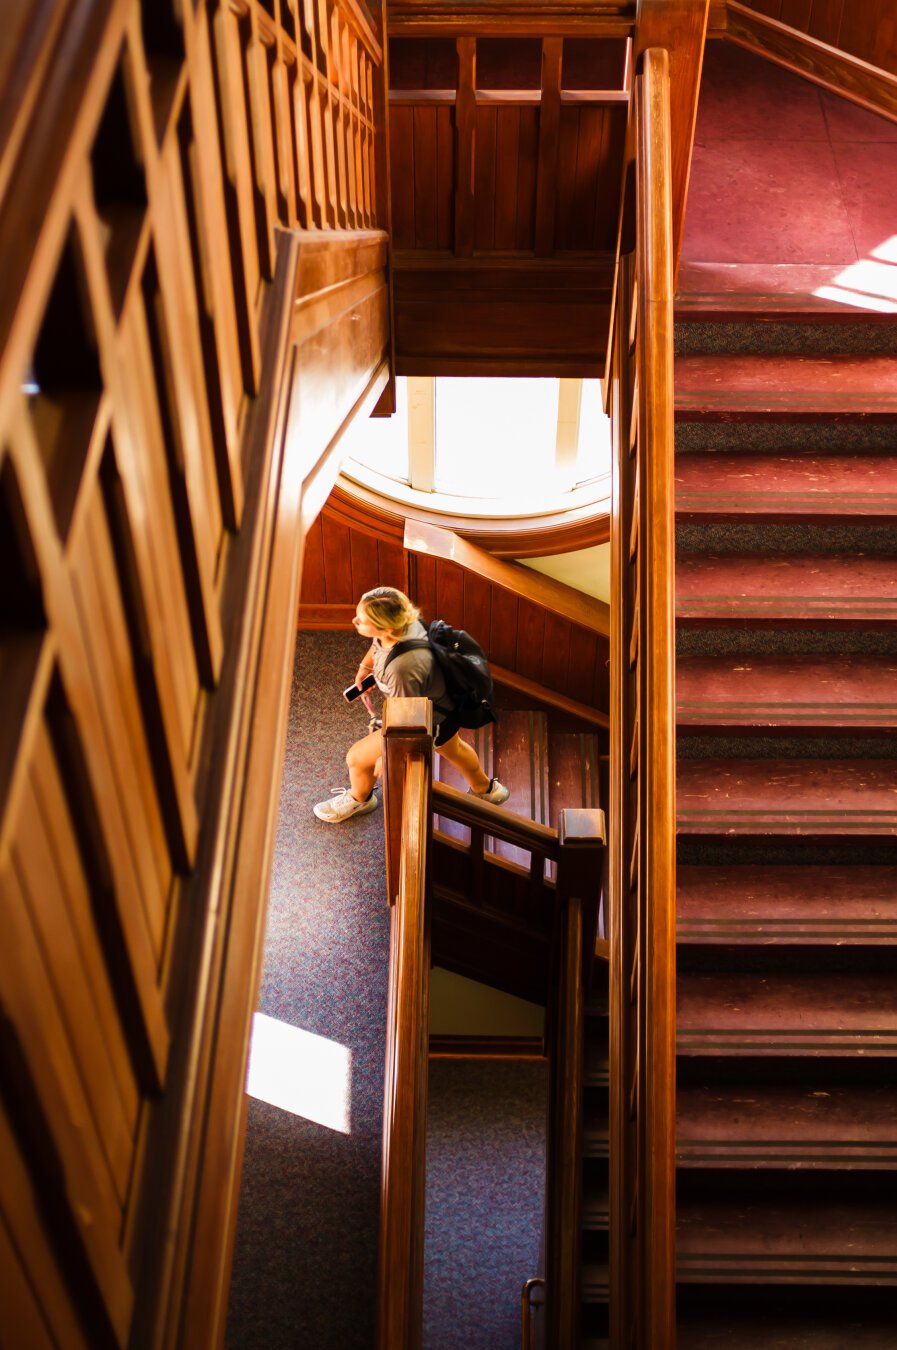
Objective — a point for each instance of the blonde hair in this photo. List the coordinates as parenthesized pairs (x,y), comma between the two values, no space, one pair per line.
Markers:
(388,609)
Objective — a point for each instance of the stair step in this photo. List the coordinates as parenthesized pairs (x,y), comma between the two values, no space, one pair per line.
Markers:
(771,1125)
(768,1243)
(596,1211)
(788,1014)
(574,758)
(809,797)
(718,290)
(521,762)
(595,1139)
(844,589)
(824,487)
(595,1283)
(786,905)
(596,1064)
(772,1333)
(855,693)
(785,386)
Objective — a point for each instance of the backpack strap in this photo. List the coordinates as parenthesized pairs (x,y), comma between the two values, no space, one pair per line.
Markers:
(408,645)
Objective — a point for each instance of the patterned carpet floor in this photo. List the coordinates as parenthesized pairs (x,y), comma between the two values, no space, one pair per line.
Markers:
(305,1268)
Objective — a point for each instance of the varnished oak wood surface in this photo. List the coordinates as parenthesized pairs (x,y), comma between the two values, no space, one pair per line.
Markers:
(861,31)
(193,302)
(862,71)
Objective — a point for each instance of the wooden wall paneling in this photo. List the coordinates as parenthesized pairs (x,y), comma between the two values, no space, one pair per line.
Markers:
(401,153)
(507,168)
(556,652)
(313,583)
(422,584)
(584,648)
(426,177)
(239,193)
(466,121)
(502,645)
(445,177)
(825,21)
(203,172)
(593,180)
(477,607)
(796,13)
(607,215)
(571,228)
(365,562)
(338,581)
(391,563)
(530,641)
(549,133)
(485,196)
(449,593)
(528,149)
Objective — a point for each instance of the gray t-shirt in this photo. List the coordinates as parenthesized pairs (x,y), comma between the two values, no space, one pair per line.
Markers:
(413,674)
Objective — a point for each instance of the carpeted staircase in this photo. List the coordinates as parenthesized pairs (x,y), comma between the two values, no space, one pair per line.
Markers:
(786,601)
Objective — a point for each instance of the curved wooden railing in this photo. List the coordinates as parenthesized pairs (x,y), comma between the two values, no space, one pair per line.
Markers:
(642,803)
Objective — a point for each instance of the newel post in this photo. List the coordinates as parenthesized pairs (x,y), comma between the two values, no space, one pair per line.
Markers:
(581,838)
(407,755)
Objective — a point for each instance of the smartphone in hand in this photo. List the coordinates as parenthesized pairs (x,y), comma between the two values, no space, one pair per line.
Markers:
(353,691)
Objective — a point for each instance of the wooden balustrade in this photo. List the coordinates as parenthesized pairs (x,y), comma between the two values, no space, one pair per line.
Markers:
(642,805)
(190,210)
(407,751)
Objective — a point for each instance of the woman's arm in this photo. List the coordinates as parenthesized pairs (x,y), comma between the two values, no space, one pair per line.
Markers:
(366,665)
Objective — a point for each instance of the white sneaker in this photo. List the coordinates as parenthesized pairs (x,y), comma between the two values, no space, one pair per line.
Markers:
(495,793)
(344,805)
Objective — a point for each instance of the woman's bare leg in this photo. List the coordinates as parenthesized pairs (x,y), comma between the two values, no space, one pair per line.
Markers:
(362,760)
(466,761)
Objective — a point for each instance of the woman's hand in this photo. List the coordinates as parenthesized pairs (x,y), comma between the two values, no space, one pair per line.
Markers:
(363,672)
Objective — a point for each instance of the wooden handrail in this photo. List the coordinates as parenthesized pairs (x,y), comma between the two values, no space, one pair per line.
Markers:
(496,821)
(527,1339)
(521,581)
(642,776)
(406,793)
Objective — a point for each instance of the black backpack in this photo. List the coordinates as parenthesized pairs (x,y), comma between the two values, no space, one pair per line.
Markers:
(465,670)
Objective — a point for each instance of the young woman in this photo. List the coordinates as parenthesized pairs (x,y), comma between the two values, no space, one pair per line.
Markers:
(387,616)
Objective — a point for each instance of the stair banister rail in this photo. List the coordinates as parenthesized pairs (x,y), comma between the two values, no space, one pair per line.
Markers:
(407,777)
(642,746)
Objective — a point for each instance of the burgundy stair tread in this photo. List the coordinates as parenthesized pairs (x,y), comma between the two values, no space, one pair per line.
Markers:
(719,484)
(805,1333)
(719,289)
(776,1241)
(849,588)
(785,384)
(574,760)
(596,1065)
(521,762)
(793,1013)
(803,904)
(595,1209)
(595,1136)
(595,1283)
(787,691)
(751,1124)
(787,797)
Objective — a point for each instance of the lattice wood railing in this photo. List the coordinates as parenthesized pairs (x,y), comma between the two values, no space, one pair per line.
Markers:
(193,300)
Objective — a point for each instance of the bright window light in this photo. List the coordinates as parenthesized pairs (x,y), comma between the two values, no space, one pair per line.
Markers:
(870,283)
(495,436)
(381,443)
(304,1074)
(593,452)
